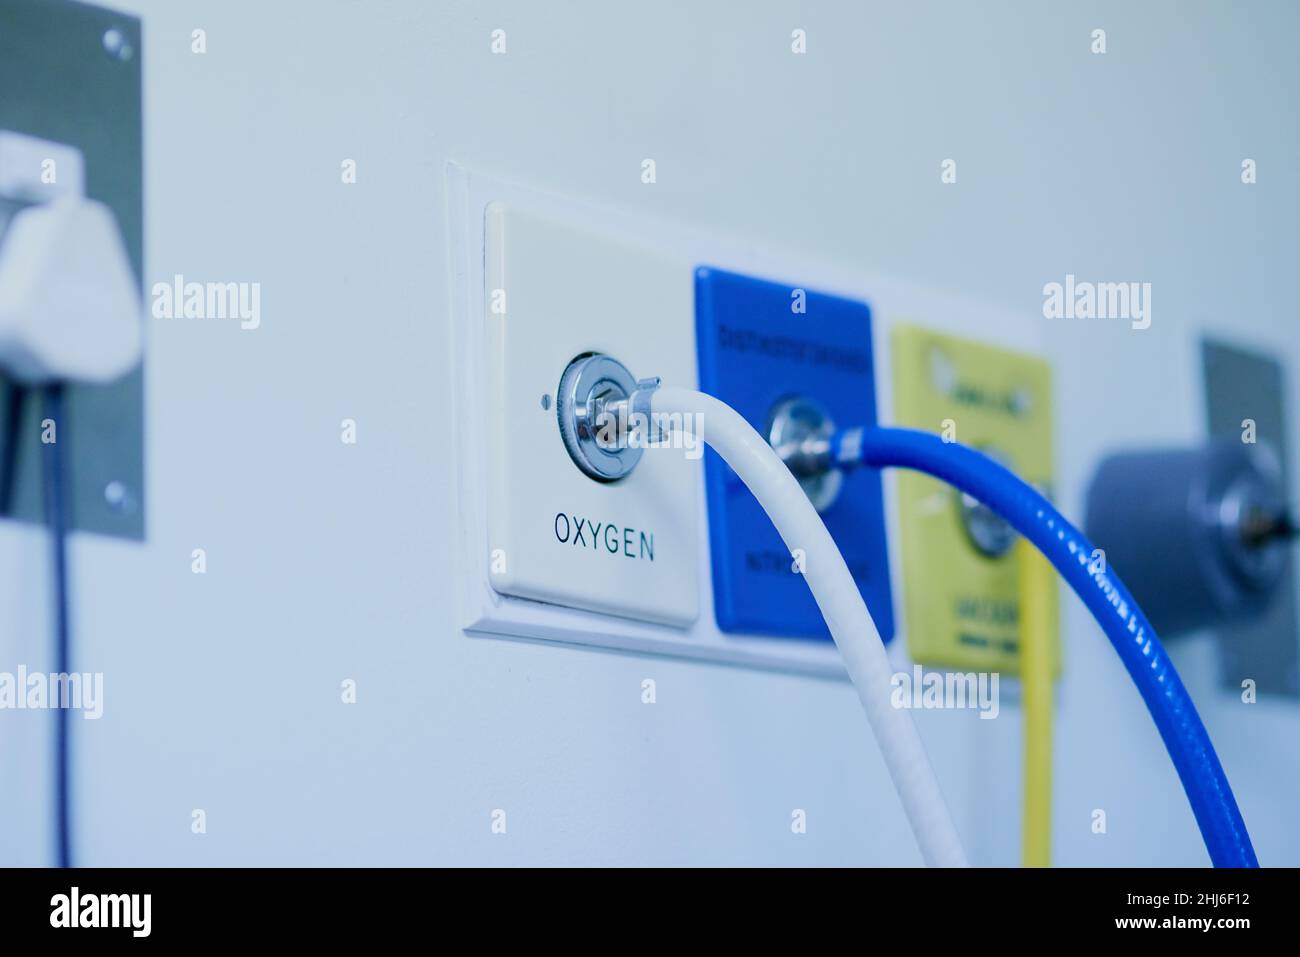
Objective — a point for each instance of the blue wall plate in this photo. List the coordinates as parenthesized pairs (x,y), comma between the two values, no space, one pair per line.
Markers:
(759,343)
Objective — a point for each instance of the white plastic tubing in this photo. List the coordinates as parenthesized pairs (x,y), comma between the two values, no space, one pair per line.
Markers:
(840,602)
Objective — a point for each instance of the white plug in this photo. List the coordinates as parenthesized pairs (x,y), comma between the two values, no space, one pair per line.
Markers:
(69,307)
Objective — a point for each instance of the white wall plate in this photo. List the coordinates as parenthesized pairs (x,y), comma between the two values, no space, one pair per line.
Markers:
(554,292)
(530,601)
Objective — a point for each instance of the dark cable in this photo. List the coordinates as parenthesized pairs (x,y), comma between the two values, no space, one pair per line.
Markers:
(56,521)
(10,424)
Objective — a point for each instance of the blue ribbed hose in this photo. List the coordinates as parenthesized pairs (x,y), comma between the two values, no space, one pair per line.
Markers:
(1105,596)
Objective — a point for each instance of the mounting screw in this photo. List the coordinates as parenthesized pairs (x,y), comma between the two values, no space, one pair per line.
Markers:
(119,498)
(116,45)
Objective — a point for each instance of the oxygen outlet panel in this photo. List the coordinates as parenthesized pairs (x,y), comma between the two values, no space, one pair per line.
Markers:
(961,580)
(621,544)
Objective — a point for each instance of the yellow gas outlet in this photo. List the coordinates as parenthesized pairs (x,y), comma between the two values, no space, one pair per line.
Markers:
(960,571)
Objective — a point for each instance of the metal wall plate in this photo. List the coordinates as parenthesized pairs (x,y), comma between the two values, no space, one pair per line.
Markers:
(70,73)
(1240,385)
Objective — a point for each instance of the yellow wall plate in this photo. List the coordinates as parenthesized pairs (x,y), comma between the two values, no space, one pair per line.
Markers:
(961,592)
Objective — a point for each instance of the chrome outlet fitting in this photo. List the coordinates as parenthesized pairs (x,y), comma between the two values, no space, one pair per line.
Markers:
(592,403)
(799,430)
(986,529)
(990,533)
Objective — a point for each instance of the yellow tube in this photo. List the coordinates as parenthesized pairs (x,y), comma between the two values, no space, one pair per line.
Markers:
(1036,584)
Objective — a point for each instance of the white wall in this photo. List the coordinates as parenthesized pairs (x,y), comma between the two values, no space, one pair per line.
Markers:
(328,561)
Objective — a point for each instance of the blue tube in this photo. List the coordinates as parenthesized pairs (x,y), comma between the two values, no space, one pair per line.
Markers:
(1105,596)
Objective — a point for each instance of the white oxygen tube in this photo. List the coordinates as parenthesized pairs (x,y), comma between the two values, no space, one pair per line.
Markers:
(837,595)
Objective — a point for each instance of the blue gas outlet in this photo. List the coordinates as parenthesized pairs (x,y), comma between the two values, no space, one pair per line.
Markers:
(761,343)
